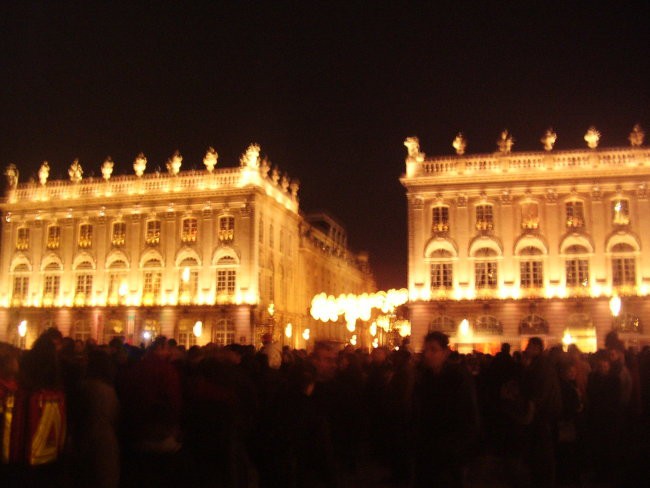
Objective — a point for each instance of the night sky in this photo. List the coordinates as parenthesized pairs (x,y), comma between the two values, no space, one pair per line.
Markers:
(328,89)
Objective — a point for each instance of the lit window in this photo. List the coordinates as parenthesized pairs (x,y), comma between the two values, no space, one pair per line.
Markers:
(281,239)
(620,212)
(118,237)
(81,330)
(152,235)
(444,324)
(627,322)
(189,281)
(531,268)
(441,272)
(488,325)
(22,239)
(223,332)
(533,325)
(226,279)
(226,229)
(189,230)
(53,237)
(485,269)
(271,237)
(575,217)
(85,236)
(185,333)
(529,216)
(577,267)
(21,287)
(261,231)
(52,286)
(623,265)
(440,220)
(484,218)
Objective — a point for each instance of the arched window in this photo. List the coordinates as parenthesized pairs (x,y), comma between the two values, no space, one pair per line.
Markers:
(188,287)
(444,324)
(488,325)
(441,270)
(223,332)
(118,287)
(627,322)
(185,333)
(152,281)
(531,268)
(533,325)
(485,269)
(226,277)
(577,266)
(51,283)
(623,265)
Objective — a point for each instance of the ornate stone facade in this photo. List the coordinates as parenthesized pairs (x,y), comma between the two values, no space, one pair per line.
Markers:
(530,243)
(149,254)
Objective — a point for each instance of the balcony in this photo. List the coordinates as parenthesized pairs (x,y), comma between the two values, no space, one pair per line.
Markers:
(575,223)
(484,225)
(440,228)
(226,236)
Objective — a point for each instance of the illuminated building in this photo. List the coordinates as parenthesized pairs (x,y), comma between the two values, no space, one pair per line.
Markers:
(217,255)
(506,245)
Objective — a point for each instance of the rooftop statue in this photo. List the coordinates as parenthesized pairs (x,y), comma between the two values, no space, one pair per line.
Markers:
(265,167)
(75,171)
(284,183)
(139,164)
(174,163)
(210,159)
(251,158)
(107,168)
(592,137)
(505,142)
(459,144)
(275,175)
(44,173)
(293,188)
(413,147)
(636,136)
(548,139)
(11,172)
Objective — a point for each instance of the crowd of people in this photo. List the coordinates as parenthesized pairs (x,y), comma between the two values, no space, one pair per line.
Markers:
(81,414)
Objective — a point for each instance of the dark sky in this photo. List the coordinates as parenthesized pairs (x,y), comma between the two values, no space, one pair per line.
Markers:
(328,89)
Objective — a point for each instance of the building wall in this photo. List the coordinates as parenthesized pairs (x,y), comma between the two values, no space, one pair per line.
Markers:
(512,184)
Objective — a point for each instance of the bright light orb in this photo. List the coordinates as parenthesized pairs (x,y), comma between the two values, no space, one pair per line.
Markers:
(22,328)
(197,330)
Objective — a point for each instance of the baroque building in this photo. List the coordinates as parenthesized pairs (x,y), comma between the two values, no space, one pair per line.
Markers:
(506,245)
(219,255)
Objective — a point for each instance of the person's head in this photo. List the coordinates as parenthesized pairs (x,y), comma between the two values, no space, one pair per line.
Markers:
(534,348)
(436,350)
(615,347)
(505,348)
(159,347)
(324,360)
(602,362)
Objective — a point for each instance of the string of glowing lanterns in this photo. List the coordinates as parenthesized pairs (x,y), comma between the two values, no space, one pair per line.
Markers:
(328,308)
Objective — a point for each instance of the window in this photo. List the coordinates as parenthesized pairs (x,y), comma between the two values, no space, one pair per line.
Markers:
(531,268)
(21,287)
(627,322)
(152,280)
(623,265)
(441,272)
(188,287)
(223,332)
(117,283)
(575,218)
(281,239)
(271,237)
(261,231)
(85,236)
(189,230)
(84,284)
(484,218)
(118,237)
(440,220)
(185,333)
(443,324)
(577,267)
(226,279)
(22,239)
(52,286)
(488,325)
(53,237)
(226,229)
(485,270)
(529,216)
(533,325)
(152,235)
(81,330)
(620,212)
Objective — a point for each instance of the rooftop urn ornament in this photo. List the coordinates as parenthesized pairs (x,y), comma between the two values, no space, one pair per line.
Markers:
(174,163)
(251,158)
(11,172)
(548,139)
(284,183)
(592,137)
(265,167)
(210,159)
(44,173)
(293,188)
(413,147)
(75,171)
(107,168)
(140,164)
(459,144)
(636,136)
(275,175)
(505,142)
